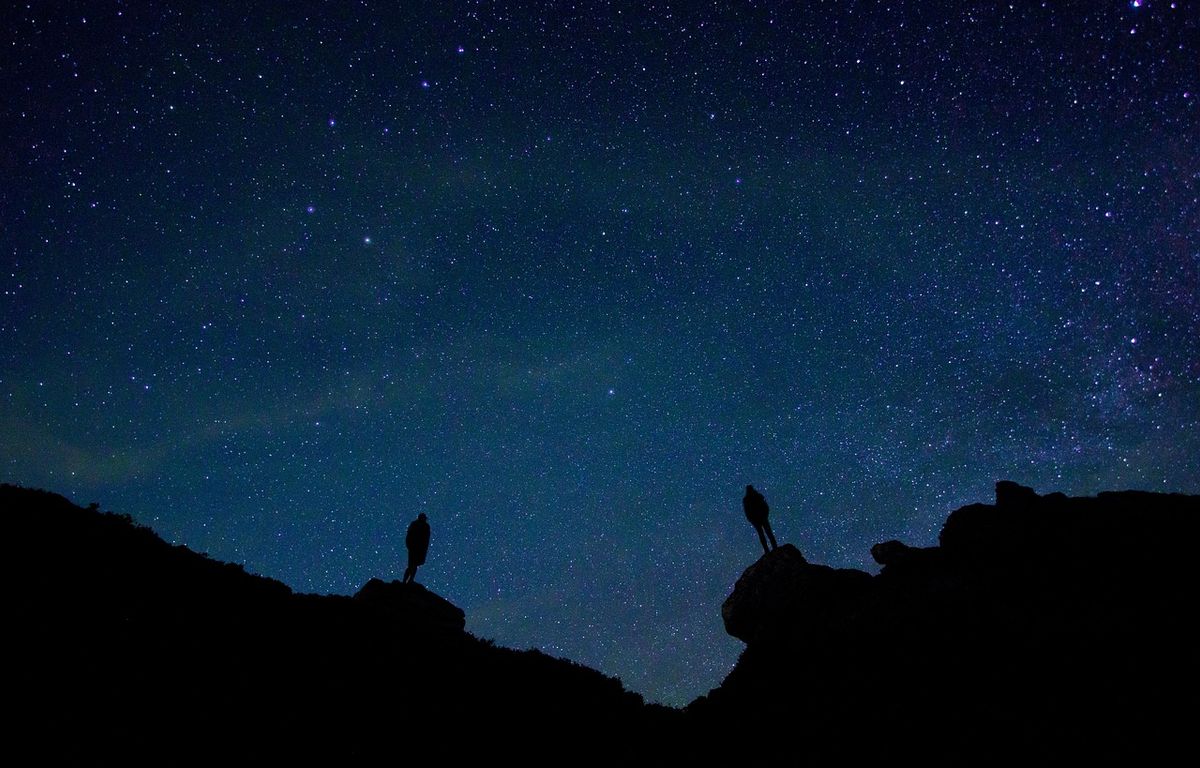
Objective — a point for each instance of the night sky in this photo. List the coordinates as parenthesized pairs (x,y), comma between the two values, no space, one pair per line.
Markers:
(567,276)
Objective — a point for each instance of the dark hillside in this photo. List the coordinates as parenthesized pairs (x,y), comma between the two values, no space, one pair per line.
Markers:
(1043,627)
(125,647)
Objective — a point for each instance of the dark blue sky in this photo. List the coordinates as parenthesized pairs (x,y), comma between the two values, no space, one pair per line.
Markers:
(566,277)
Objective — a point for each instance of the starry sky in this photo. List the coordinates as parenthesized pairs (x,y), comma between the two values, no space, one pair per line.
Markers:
(567,276)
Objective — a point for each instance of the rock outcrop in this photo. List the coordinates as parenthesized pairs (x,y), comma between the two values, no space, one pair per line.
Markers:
(781,586)
(412,605)
(1040,625)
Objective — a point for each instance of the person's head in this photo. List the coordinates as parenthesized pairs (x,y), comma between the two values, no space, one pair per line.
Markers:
(421,516)
(749,489)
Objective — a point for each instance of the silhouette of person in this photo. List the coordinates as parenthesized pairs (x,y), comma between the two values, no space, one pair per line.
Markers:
(417,541)
(756,509)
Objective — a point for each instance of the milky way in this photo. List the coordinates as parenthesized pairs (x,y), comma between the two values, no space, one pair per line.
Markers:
(566,280)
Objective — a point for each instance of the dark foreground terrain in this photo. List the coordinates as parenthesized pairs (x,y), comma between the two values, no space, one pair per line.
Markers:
(1042,629)
(128,648)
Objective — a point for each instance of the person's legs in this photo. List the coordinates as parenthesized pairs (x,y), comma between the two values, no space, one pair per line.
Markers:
(410,572)
(762,538)
(770,534)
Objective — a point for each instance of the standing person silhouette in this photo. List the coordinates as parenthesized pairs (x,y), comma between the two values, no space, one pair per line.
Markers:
(756,509)
(417,541)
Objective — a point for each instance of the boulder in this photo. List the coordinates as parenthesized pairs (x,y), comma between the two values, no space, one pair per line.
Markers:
(782,593)
(891,552)
(1010,495)
(412,604)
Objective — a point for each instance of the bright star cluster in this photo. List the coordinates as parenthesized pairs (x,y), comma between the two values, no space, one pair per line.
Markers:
(567,276)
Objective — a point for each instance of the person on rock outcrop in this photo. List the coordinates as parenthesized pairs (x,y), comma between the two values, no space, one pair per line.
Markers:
(417,541)
(757,511)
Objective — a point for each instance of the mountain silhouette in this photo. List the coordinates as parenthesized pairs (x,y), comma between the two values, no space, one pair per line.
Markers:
(128,649)
(1040,629)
